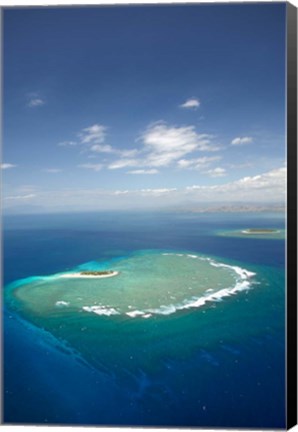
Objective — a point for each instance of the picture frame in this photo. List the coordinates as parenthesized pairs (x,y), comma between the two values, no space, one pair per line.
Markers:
(152,182)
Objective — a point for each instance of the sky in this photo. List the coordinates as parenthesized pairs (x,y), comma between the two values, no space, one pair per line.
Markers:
(143,106)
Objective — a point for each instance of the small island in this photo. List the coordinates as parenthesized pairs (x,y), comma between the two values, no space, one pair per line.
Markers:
(260,231)
(90,274)
(96,273)
(256,233)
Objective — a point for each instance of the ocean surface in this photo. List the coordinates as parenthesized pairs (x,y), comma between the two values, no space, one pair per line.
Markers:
(189,333)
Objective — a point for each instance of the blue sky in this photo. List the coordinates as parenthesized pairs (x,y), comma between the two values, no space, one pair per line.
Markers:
(113,107)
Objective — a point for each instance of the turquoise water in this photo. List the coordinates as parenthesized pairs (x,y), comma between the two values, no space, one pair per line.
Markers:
(144,284)
(148,284)
(190,332)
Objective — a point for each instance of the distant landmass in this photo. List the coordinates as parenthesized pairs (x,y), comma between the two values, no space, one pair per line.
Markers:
(185,207)
(234,208)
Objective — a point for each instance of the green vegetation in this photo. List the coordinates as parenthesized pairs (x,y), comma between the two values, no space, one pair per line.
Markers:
(261,230)
(96,273)
(257,233)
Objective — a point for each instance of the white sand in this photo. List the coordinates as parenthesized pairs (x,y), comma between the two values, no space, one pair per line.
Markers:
(84,276)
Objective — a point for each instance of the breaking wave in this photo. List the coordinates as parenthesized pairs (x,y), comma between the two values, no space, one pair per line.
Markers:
(242,283)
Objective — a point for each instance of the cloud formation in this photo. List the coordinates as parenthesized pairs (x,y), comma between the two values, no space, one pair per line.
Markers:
(52,170)
(160,145)
(163,145)
(34,100)
(94,167)
(262,187)
(217,172)
(166,144)
(93,134)
(67,143)
(241,140)
(7,166)
(91,139)
(123,163)
(35,103)
(197,163)
(191,103)
(155,192)
(101,148)
(143,171)
(20,197)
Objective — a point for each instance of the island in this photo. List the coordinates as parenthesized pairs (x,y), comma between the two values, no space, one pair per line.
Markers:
(260,231)
(96,272)
(256,233)
(90,274)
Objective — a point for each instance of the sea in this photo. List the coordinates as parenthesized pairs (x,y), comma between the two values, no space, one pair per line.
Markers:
(190,333)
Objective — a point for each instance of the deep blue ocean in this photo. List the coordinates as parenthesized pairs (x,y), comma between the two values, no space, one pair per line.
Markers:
(232,370)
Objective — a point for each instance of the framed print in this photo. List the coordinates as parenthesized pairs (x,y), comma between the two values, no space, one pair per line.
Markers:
(149,215)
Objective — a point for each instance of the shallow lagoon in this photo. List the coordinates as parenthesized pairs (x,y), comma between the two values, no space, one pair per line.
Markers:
(145,284)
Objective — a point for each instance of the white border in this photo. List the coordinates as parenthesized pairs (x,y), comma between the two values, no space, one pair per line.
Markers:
(15,3)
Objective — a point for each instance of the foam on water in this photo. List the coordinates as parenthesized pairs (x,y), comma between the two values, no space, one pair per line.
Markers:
(62,303)
(244,274)
(101,310)
(135,313)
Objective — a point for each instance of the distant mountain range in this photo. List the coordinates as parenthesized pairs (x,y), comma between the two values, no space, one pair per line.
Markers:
(185,207)
(232,208)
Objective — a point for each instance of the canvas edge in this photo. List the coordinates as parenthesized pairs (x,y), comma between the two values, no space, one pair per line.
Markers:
(291,317)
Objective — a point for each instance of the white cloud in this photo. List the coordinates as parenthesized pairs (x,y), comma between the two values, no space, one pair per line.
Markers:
(192,103)
(143,171)
(263,187)
(145,192)
(52,170)
(185,163)
(93,134)
(7,166)
(241,140)
(35,102)
(128,153)
(67,143)
(94,167)
(20,197)
(92,139)
(155,192)
(166,144)
(275,178)
(240,165)
(26,189)
(123,163)
(163,145)
(161,138)
(101,148)
(217,172)
(121,192)
(197,163)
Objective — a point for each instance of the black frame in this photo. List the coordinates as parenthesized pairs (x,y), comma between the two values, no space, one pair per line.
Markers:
(291,353)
